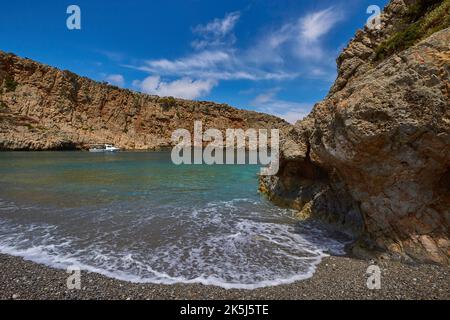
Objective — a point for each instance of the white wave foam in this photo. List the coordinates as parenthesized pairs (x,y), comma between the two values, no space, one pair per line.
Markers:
(218,247)
(40,255)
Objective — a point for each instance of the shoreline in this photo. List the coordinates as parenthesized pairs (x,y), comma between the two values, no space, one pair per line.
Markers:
(336,277)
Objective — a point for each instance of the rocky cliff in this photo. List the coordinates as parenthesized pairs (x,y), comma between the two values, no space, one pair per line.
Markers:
(43,108)
(374,156)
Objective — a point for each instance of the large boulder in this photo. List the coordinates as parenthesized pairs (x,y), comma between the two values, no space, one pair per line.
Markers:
(377,159)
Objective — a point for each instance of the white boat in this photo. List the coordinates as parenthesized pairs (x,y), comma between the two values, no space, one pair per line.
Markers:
(104,148)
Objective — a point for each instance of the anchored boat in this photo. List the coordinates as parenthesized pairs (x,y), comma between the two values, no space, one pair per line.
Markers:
(103,148)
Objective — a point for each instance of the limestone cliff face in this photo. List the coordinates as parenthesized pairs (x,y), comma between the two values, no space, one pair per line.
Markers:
(374,156)
(43,108)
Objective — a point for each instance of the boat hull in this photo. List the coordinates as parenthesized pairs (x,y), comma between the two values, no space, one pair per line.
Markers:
(98,150)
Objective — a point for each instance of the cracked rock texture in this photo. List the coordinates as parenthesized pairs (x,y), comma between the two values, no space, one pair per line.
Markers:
(374,156)
(44,108)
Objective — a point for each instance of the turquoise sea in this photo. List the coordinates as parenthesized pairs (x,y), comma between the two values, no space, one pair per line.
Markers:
(136,216)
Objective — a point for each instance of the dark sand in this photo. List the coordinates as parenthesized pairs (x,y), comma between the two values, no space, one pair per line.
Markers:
(335,278)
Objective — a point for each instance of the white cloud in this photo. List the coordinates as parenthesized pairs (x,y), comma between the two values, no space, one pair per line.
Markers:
(290,111)
(312,28)
(115,79)
(296,48)
(268,49)
(219,27)
(298,41)
(217,65)
(317,24)
(287,110)
(217,32)
(182,88)
(199,61)
(265,97)
(274,57)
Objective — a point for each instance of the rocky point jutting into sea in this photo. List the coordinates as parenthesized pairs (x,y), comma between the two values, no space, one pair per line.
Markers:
(374,156)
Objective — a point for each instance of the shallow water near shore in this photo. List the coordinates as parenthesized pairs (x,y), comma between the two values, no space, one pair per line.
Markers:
(135,216)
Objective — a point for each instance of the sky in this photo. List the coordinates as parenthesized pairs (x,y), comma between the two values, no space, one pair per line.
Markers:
(273,56)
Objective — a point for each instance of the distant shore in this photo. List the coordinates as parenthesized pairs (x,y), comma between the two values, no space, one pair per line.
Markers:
(335,278)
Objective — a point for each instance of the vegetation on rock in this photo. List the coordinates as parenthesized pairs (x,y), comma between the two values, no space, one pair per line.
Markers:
(10,84)
(62,107)
(422,20)
(167,103)
(382,138)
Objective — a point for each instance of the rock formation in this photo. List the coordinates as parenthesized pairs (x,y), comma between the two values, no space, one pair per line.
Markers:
(43,108)
(374,156)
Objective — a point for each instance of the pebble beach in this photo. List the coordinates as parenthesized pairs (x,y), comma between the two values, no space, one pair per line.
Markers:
(335,278)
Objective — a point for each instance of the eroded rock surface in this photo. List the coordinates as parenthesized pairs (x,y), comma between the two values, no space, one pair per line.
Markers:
(43,108)
(374,156)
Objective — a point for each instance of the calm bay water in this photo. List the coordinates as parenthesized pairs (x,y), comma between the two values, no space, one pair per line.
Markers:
(135,216)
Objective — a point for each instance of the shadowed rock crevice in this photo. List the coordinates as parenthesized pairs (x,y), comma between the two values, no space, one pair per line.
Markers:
(311,189)
(382,136)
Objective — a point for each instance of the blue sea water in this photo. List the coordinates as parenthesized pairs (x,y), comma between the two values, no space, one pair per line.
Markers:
(136,216)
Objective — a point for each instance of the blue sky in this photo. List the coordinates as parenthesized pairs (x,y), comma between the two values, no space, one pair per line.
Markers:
(273,56)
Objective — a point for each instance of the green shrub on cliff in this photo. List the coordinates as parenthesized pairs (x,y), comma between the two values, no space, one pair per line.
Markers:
(422,20)
(167,102)
(10,84)
(420,8)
